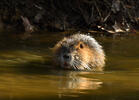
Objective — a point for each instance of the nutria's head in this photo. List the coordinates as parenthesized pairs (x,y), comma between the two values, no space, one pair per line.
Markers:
(79,52)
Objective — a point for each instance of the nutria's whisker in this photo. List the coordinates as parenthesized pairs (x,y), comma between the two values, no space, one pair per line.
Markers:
(86,66)
(74,64)
(74,67)
(77,62)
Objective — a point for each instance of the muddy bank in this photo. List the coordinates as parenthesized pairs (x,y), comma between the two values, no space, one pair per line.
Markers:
(112,16)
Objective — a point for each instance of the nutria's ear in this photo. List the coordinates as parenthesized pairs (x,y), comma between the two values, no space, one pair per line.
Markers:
(81,45)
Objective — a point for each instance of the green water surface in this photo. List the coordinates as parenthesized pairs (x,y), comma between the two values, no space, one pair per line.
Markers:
(26,74)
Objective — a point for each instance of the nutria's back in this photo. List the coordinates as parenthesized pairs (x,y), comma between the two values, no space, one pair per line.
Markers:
(79,52)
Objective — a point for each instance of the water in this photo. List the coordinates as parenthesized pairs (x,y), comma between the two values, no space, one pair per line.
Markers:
(26,74)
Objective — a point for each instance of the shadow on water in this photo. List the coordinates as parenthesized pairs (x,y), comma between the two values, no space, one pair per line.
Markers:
(27,73)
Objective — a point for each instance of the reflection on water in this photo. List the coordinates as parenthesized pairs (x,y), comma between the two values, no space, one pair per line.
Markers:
(77,84)
(82,83)
(27,73)
(59,84)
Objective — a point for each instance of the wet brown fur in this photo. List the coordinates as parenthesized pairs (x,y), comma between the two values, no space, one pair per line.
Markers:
(87,54)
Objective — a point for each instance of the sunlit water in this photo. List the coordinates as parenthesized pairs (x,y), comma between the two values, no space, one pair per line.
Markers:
(26,74)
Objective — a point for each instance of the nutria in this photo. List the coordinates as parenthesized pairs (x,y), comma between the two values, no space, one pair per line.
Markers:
(79,52)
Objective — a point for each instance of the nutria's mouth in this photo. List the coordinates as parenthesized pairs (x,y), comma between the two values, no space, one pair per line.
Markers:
(66,66)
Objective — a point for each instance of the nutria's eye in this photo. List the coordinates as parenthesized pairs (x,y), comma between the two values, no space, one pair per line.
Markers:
(81,45)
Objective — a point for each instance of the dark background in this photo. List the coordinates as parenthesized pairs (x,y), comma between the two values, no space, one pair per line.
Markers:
(63,15)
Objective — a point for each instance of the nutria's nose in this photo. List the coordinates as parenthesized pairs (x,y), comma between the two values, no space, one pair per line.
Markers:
(66,56)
